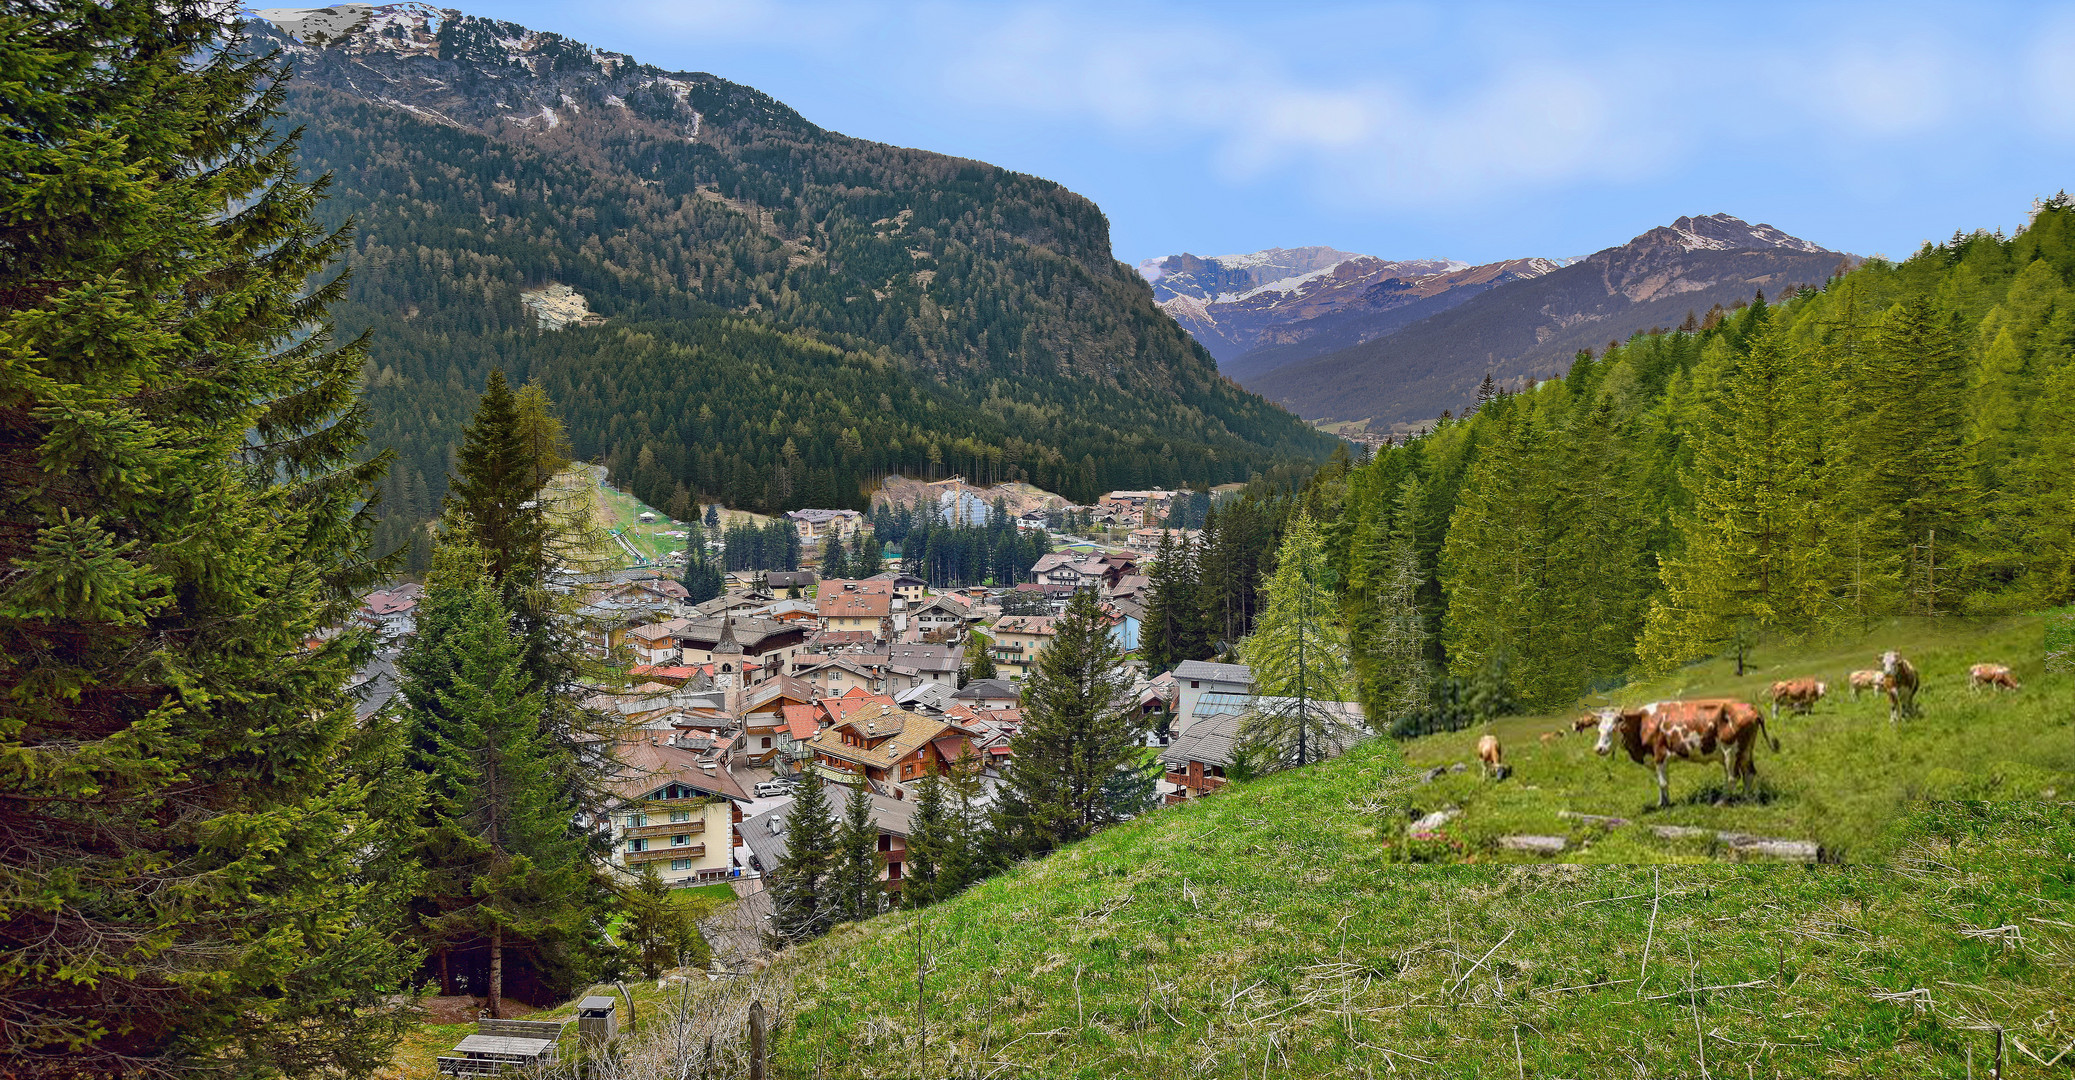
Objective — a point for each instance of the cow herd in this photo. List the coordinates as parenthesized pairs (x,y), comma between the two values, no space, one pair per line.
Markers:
(1662,732)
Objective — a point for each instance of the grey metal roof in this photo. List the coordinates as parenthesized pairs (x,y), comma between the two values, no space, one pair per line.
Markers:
(1204,669)
(990,688)
(1208,740)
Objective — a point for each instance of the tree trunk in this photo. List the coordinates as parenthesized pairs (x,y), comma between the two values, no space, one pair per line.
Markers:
(446,976)
(496,972)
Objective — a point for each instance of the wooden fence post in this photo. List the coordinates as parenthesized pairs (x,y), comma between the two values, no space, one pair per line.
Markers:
(756,1040)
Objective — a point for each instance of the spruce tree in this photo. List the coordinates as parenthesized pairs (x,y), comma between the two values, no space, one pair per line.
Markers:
(1298,657)
(834,563)
(660,932)
(182,508)
(1079,728)
(854,882)
(801,905)
(1392,663)
(1917,477)
(929,836)
(504,870)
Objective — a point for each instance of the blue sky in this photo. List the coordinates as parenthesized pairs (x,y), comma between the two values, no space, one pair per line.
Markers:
(1459,130)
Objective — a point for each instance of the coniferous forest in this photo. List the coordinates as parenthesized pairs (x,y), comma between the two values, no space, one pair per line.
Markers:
(790,313)
(1894,443)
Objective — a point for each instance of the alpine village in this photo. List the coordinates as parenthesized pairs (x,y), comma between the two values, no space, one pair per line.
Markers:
(517,560)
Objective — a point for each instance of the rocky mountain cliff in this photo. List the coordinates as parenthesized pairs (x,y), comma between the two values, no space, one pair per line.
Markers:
(780,314)
(1533,327)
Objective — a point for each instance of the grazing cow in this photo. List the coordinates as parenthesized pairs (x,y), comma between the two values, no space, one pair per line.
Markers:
(1491,758)
(1899,679)
(1800,695)
(1549,737)
(1868,680)
(1657,733)
(1995,675)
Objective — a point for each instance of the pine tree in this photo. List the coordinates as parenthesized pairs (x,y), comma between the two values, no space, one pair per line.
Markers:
(712,516)
(181,509)
(801,906)
(504,870)
(1079,728)
(854,882)
(1171,604)
(1298,656)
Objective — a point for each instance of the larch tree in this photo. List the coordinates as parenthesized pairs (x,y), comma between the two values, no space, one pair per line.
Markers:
(1757,558)
(1079,728)
(183,508)
(1299,659)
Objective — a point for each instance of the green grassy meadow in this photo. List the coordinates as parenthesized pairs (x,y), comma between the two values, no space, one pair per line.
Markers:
(1843,775)
(1275,930)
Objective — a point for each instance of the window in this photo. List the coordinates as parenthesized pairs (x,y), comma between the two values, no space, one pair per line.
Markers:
(767,742)
(1194,685)
(681,840)
(885,842)
(893,871)
(680,815)
(637,845)
(680,864)
(635,821)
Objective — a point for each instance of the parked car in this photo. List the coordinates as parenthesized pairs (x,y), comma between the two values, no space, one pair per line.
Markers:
(771,789)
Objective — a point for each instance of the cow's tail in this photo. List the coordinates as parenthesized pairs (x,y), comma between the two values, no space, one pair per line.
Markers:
(1767,732)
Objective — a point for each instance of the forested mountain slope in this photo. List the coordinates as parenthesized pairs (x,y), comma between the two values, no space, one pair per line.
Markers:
(1532,328)
(1890,444)
(788,312)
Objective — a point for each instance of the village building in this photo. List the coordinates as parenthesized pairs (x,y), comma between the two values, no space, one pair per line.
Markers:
(815,526)
(762,713)
(676,809)
(391,613)
(940,618)
(989,694)
(764,837)
(858,607)
(1018,642)
(1193,764)
(1196,678)
(884,746)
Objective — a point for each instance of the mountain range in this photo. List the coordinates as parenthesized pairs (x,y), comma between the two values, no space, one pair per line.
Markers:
(774,314)
(1332,335)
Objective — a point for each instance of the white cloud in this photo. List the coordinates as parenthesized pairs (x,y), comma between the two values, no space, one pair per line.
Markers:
(1473,102)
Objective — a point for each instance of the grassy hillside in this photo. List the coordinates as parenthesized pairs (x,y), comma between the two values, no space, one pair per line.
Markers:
(1271,930)
(1842,776)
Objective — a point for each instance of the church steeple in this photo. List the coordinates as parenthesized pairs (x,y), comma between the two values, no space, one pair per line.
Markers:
(727,642)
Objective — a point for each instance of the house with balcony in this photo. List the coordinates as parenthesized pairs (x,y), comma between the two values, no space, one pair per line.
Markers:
(676,808)
(879,744)
(1195,678)
(815,526)
(859,607)
(1193,764)
(1018,642)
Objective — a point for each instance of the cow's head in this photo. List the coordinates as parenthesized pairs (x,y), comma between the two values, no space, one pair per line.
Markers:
(1888,660)
(1610,721)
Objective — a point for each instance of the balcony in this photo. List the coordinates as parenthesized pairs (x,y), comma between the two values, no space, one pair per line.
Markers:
(661,853)
(666,830)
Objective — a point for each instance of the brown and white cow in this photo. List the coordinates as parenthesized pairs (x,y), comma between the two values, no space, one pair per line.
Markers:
(1868,679)
(1991,675)
(1899,679)
(1664,731)
(1799,695)
(1491,757)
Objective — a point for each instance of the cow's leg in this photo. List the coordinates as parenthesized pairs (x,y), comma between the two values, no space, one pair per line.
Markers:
(1664,787)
